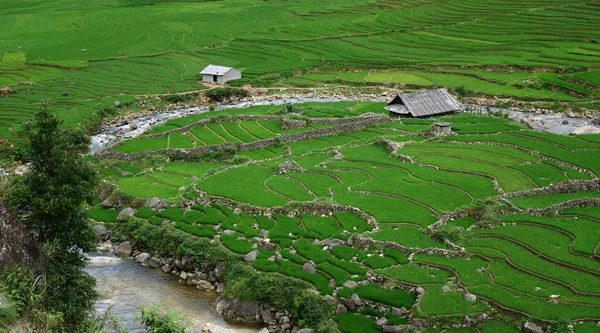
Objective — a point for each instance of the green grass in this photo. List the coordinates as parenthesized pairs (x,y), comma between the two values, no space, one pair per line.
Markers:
(353,323)
(436,302)
(553,199)
(103,215)
(372,292)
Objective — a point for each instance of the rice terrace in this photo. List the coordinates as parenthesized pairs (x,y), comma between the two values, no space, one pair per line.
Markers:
(329,166)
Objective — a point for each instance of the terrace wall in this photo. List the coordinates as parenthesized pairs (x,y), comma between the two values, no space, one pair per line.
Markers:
(358,124)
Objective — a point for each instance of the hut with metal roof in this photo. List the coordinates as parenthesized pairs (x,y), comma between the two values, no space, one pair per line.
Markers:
(422,104)
(220,74)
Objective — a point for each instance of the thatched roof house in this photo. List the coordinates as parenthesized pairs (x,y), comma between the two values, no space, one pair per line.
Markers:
(423,104)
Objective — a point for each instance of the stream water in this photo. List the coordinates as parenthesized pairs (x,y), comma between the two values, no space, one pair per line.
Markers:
(125,287)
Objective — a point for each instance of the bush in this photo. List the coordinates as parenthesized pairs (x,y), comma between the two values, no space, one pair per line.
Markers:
(221,94)
(156,322)
(449,232)
(177,98)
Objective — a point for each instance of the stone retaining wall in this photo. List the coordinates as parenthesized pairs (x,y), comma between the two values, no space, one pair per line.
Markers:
(307,135)
(359,241)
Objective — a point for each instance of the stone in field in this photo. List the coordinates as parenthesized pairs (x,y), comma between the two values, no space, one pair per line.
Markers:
(532,328)
(470,297)
(350,284)
(309,268)
(127,212)
(250,257)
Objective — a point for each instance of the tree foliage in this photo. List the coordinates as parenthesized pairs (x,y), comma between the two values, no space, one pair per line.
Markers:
(50,200)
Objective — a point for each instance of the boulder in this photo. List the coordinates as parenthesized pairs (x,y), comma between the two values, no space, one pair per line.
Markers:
(446,289)
(124,249)
(419,324)
(309,268)
(350,284)
(356,299)
(250,257)
(335,242)
(470,297)
(381,321)
(248,312)
(398,312)
(330,299)
(126,212)
(187,263)
(349,304)
(332,283)
(142,258)
(204,285)
(118,104)
(102,234)
(420,290)
(17,246)
(155,203)
(532,328)
(167,268)
(341,309)
(267,317)
(154,262)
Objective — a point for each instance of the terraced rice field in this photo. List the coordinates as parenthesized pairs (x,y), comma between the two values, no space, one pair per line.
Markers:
(82,57)
(528,261)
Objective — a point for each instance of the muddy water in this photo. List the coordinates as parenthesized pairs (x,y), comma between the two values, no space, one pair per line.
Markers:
(126,287)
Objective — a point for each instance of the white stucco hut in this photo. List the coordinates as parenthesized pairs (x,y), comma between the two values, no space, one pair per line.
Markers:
(220,74)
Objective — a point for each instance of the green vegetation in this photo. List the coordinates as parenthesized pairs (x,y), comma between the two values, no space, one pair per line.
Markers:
(517,261)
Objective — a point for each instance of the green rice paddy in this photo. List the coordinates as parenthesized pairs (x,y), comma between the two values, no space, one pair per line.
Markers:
(80,58)
(518,265)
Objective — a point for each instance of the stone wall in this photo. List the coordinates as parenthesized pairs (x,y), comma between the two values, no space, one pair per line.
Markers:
(359,124)
(361,242)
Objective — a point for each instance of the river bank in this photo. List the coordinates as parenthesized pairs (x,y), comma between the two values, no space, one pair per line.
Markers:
(125,287)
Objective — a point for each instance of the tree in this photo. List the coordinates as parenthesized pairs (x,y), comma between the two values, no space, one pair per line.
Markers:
(50,200)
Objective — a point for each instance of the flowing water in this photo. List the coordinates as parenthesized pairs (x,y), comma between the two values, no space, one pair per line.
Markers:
(125,287)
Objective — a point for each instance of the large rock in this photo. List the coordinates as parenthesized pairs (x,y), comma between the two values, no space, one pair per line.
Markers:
(470,297)
(124,249)
(154,262)
(126,212)
(335,242)
(143,257)
(330,299)
(356,299)
(17,246)
(350,284)
(155,203)
(532,328)
(309,268)
(250,257)
(248,312)
(446,289)
(102,234)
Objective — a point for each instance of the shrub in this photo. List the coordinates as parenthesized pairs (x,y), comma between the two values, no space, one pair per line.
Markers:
(221,94)
(157,322)
(177,98)
(449,232)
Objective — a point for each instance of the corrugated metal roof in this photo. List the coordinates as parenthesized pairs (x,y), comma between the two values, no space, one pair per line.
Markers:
(428,103)
(215,70)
